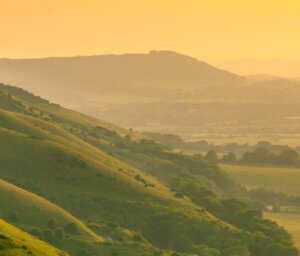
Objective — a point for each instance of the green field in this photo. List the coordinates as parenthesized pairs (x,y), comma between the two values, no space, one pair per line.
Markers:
(289,221)
(286,180)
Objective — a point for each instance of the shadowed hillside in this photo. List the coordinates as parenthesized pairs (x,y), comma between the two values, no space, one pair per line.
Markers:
(119,182)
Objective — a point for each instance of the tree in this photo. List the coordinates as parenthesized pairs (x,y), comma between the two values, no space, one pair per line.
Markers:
(48,235)
(276,208)
(258,156)
(236,251)
(280,250)
(71,228)
(288,157)
(230,158)
(211,156)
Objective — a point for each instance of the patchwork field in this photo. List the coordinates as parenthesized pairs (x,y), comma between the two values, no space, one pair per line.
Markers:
(286,180)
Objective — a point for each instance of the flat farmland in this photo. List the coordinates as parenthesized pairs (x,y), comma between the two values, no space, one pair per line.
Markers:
(286,180)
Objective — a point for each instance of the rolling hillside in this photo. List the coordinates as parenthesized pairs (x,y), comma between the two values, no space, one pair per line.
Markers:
(100,173)
(15,242)
(30,211)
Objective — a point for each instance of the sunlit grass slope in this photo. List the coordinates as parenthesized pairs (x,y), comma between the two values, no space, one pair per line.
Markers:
(30,211)
(25,102)
(286,180)
(14,242)
(59,155)
(43,158)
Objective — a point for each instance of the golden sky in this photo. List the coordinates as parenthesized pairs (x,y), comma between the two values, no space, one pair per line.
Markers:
(206,29)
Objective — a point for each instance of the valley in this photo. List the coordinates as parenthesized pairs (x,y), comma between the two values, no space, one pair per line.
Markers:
(285,180)
(98,188)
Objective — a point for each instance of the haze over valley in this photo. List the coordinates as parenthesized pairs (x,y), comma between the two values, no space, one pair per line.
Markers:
(167,92)
(149,128)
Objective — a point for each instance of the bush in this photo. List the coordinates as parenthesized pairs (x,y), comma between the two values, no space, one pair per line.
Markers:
(211,156)
(48,235)
(112,225)
(59,233)
(72,229)
(52,223)
(35,232)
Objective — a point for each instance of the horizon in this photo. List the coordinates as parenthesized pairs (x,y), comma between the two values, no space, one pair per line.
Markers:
(70,28)
(240,66)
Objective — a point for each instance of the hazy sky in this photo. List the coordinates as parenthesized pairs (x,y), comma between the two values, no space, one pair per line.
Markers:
(206,29)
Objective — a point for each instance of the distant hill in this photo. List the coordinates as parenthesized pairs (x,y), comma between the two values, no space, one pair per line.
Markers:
(82,78)
(165,92)
(274,67)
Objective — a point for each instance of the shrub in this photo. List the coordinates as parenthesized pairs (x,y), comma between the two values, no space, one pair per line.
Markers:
(52,223)
(71,228)
(48,235)
(35,232)
(112,225)
(59,233)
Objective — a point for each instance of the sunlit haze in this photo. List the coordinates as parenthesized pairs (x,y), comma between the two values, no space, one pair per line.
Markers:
(214,29)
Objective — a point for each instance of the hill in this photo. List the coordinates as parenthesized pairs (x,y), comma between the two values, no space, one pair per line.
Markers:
(15,242)
(29,211)
(102,176)
(98,74)
(276,67)
(164,91)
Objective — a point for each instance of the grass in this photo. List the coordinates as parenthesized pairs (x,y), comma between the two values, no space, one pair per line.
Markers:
(89,186)
(290,221)
(33,211)
(14,242)
(56,160)
(286,180)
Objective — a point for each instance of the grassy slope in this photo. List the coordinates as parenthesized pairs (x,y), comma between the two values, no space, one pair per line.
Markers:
(35,212)
(38,154)
(14,242)
(59,114)
(28,149)
(49,161)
